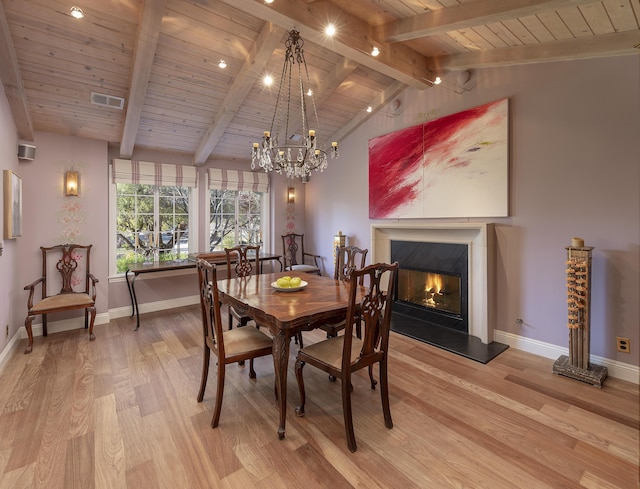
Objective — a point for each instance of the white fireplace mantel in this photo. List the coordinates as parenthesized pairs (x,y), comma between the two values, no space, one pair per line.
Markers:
(480,239)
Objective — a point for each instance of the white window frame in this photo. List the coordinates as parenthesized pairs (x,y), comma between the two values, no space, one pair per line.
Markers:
(113,234)
(265,206)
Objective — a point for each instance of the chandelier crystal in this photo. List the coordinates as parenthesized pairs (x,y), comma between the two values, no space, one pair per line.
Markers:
(295,156)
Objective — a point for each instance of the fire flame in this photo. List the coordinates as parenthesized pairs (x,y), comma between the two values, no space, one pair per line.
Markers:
(433,285)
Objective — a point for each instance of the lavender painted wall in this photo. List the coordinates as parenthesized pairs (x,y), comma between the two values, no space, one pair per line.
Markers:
(51,218)
(574,171)
(9,267)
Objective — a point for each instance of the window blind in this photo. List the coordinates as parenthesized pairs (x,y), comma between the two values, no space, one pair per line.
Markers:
(238,180)
(147,173)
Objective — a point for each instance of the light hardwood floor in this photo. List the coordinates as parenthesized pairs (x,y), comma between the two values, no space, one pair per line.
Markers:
(121,412)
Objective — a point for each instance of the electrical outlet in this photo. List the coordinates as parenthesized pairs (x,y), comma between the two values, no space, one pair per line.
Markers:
(519,322)
(623,344)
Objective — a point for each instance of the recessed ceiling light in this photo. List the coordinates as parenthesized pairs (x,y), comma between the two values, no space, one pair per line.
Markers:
(268,1)
(222,64)
(375,51)
(369,109)
(268,80)
(330,30)
(76,12)
(309,93)
(437,81)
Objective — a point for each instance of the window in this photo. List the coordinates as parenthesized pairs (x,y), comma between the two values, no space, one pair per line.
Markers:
(235,217)
(153,212)
(237,208)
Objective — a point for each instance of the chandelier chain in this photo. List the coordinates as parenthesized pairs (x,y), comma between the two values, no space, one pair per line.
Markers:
(281,151)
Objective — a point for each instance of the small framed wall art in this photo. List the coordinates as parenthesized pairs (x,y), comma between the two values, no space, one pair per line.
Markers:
(12,205)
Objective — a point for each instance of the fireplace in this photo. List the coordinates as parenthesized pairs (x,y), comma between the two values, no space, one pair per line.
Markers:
(432,282)
(473,247)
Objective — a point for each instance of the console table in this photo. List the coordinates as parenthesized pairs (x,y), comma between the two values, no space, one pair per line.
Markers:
(164,266)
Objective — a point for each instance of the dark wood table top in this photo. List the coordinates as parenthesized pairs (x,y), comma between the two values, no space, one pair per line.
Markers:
(323,300)
(166,265)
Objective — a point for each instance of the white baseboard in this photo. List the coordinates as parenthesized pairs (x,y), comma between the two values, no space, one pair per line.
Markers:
(122,312)
(8,350)
(619,370)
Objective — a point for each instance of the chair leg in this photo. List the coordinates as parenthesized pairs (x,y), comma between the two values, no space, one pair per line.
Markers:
(384,393)
(27,325)
(92,310)
(44,325)
(86,318)
(219,394)
(300,407)
(348,417)
(373,381)
(205,372)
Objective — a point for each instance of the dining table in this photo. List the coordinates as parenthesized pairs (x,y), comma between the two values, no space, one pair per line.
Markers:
(285,313)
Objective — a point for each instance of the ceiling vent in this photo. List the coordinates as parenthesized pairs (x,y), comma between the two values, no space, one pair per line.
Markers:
(107,100)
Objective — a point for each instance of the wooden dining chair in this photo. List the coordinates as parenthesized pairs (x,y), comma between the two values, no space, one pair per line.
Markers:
(244,265)
(68,267)
(348,259)
(296,259)
(343,355)
(229,346)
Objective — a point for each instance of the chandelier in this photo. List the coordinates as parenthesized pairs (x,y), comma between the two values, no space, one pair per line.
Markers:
(294,155)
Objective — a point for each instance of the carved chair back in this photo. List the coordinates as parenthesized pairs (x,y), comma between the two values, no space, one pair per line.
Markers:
(244,260)
(348,259)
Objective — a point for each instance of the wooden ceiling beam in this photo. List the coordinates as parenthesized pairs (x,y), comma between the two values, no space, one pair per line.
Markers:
(12,82)
(354,38)
(269,38)
(466,15)
(616,44)
(148,33)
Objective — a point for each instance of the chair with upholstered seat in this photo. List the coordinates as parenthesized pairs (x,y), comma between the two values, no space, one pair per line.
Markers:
(244,261)
(77,287)
(233,346)
(296,259)
(343,355)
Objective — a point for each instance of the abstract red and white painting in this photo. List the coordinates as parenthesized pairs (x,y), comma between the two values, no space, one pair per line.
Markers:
(454,166)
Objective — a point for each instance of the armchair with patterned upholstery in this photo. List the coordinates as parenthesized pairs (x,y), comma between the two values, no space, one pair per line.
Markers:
(78,287)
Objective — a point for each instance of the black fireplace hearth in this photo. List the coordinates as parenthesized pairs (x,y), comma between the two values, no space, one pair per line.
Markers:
(446,338)
(431,298)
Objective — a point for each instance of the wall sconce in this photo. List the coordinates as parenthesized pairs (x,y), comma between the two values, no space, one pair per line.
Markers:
(71,183)
(291,195)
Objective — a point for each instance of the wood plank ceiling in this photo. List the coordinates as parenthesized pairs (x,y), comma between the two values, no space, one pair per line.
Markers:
(161,57)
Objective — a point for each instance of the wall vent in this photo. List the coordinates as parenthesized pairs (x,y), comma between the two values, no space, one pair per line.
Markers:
(107,100)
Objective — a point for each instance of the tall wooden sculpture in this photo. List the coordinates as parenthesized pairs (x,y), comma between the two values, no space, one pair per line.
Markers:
(577,365)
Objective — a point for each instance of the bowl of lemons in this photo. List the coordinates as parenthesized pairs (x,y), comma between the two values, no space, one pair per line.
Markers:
(289,284)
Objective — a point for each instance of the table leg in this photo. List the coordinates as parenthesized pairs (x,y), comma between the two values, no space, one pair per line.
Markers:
(135,302)
(133,307)
(280,364)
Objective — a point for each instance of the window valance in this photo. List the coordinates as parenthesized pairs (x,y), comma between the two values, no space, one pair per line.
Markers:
(238,180)
(147,173)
